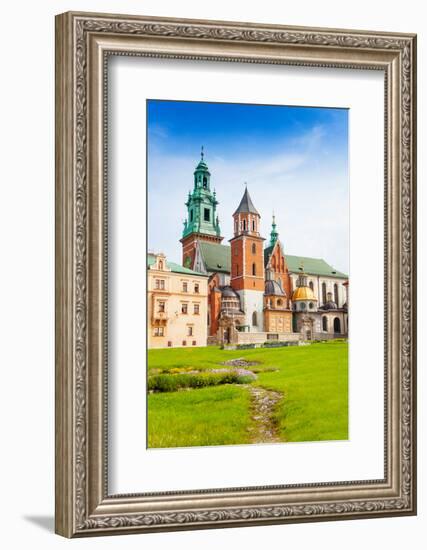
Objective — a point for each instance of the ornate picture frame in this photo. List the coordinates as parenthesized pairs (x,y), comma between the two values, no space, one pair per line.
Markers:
(84,506)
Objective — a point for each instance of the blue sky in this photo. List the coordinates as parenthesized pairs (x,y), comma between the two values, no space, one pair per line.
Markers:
(294,160)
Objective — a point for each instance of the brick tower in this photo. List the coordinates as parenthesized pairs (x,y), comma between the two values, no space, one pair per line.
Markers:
(202,223)
(247,262)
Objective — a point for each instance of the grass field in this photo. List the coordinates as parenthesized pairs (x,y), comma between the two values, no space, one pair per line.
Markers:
(313,380)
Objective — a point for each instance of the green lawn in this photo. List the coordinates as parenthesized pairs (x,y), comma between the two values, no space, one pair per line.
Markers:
(313,380)
(208,416)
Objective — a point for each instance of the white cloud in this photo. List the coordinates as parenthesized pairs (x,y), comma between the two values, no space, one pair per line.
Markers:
(307,190)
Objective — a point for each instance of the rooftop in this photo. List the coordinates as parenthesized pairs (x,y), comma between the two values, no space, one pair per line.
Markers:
(175,268)
(246,204)
(217,257)
(313,266)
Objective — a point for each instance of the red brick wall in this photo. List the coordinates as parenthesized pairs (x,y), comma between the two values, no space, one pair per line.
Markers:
(242,260)
(280,269)
(188,249)
(189,245)
(214,304)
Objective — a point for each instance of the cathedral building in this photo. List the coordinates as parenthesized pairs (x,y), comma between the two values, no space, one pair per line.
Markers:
(256,292)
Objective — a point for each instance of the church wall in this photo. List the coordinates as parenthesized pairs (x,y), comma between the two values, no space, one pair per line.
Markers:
(242,260)
(214,305)
(250,301)
(317,287)
(279,270)
(188,251)
(330,316)
(301,319)
(277,321)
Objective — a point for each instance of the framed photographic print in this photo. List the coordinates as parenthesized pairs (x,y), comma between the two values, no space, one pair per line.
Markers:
(235,274)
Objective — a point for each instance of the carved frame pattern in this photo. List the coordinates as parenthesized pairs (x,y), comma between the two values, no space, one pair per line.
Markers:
(83,506)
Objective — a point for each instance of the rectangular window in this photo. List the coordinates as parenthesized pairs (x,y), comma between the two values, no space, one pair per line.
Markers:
(159,331)
(206,214)
(189,331)
(194,342)
(184,343)
(191,215)
(184,287)
(196,309)
(184,308)
(160,284)
(161,307)
(196,288)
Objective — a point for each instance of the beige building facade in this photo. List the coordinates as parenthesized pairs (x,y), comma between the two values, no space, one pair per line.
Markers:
(177,300)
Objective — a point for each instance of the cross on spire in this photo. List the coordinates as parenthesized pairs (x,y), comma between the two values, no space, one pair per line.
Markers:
(202,153)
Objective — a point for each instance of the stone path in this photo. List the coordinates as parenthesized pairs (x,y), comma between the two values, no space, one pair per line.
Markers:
(264,403)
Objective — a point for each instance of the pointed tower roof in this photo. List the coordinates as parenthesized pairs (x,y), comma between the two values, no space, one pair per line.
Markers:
(274,235)
(246,204)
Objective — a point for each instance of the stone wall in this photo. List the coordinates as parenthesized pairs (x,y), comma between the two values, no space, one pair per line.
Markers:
(327,336)
(261,337)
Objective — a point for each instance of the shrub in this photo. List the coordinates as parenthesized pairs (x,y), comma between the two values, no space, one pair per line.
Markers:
(175,382)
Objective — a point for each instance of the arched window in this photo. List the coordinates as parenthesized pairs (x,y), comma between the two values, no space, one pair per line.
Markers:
(279,302)
(237,270)
(160,264)
(336,294)
(253,248)
(236,227)
(205,182)
(283,265)
(337,326)
(273,263)
(254,319)
(253,269)
(253,225)
(324,324)
(324,293)
(244,225)
(311,285)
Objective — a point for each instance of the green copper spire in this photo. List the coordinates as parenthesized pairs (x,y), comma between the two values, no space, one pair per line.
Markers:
(201,203)
(274,235)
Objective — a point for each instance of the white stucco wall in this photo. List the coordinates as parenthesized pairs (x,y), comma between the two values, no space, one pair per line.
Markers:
(252,300)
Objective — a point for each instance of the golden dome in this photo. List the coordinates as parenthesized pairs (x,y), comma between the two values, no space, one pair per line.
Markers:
(303,293)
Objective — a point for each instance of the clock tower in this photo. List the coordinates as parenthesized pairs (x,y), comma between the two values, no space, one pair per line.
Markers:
(202,223)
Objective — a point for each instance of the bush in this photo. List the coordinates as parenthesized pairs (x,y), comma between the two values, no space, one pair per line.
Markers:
(175,382)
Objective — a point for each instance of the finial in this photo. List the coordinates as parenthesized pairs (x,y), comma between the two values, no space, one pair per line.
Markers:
(246,184)
(202,154)
(274,219)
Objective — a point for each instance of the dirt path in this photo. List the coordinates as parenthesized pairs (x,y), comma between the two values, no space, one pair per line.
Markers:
(263,407)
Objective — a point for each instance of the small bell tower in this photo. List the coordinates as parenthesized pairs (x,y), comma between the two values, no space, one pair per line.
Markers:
(247,262)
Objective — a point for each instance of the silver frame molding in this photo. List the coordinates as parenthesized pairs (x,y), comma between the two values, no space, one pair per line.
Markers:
(83,43)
